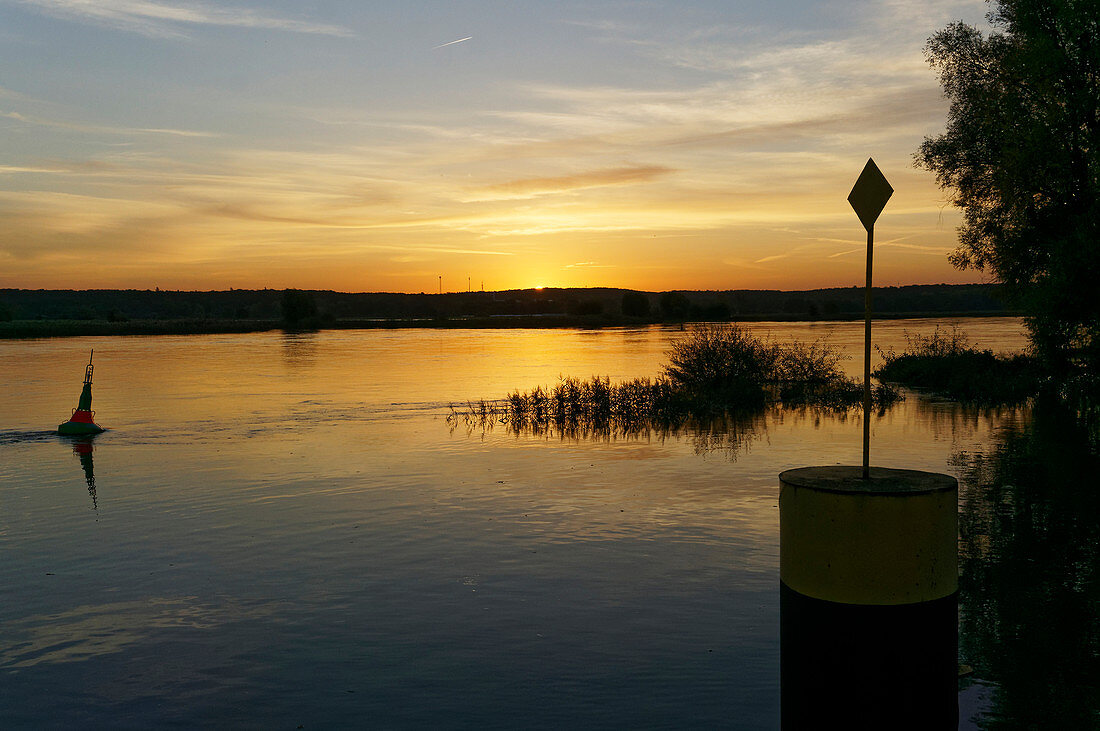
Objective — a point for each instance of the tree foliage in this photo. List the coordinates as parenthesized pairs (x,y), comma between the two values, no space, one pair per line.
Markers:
(1021,157)
(298,307)
(674,306)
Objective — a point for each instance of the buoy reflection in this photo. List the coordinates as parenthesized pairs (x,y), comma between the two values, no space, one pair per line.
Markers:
(82,448)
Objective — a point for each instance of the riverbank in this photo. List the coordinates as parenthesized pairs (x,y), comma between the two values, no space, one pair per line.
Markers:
(21,329)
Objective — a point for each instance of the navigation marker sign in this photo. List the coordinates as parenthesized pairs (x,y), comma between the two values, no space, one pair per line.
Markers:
(869,194)
(868,198)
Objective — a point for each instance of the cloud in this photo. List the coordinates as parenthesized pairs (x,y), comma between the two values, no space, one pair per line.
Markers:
(100,129)
(163,131)
(10,169)
(9,94)
(766,129)
(605,116)
(531,187)
(937,250)
(941,251)
(897,243)
(246,213)
(766,85)
(887,112)
(446,250)
(162,19)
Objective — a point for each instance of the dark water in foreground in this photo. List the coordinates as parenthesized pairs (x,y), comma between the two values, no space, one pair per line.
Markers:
(283,531)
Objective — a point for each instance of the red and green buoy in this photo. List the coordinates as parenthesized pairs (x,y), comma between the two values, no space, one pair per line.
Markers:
(81,424)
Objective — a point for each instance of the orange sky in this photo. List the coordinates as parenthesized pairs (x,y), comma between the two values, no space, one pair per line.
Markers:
(208,147)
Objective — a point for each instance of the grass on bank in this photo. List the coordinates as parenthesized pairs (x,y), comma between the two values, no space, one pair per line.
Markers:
(947,364)
(714,370)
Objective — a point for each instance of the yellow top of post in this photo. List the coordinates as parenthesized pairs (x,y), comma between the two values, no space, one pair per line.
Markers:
(869,194)
(889,540)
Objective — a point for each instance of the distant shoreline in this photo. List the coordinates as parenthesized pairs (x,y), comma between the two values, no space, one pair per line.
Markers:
(33,329)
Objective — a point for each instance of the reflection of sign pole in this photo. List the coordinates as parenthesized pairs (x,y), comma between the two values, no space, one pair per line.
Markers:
(868,198)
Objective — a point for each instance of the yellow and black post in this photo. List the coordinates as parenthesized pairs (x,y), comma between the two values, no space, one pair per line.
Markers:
(868,583)
(868,568)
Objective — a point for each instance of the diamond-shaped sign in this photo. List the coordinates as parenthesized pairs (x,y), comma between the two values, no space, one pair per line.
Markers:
(869,194)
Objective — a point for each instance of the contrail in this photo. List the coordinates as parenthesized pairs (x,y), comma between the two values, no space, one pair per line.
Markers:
(451,43)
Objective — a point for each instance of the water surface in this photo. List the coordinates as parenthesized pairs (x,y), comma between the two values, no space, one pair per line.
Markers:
(283,529)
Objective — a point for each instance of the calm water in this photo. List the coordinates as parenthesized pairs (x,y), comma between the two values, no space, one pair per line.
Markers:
(282,530)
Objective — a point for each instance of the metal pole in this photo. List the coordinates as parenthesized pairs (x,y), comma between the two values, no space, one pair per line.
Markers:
(867,361)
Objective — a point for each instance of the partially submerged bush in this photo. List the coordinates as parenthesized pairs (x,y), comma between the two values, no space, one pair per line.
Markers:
(815,363)
(946,363)
(712,371)
(723,362)
(729,364)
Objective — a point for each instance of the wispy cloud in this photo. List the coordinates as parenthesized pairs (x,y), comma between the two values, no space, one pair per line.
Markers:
(476,252)
(918,248)
(164,20)
(166,131)
(9,94)
(718,112)
(8,169)
(530,187)
(101,129)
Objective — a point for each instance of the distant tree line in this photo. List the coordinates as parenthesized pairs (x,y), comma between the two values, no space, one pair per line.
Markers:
(313,308)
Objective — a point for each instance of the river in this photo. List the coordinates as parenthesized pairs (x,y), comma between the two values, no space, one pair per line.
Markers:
(283,530)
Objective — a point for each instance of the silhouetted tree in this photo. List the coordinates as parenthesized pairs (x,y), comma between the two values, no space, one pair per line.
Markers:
(1021,157)
(674,306)
(298,306)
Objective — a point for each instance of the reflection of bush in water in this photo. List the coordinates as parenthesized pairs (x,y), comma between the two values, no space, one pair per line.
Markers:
(1029,590)
(728,432)
(715,370)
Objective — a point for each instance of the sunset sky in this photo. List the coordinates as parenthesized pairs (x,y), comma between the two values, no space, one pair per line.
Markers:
(365,146)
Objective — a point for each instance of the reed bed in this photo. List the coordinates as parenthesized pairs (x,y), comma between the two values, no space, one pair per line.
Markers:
(573,403)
